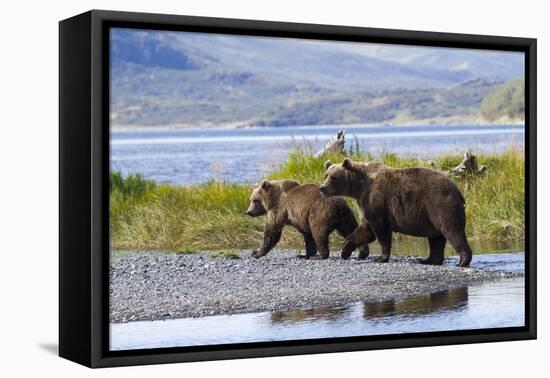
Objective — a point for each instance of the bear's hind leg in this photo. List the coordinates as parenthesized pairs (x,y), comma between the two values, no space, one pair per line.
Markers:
(453,229)
(460,244)
(437,251)
(321,241)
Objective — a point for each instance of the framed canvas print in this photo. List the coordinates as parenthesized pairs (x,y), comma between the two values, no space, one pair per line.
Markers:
(234,188)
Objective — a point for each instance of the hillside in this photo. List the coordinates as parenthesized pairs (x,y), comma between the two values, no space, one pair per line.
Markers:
(168,78)
(403,105)
(506,102)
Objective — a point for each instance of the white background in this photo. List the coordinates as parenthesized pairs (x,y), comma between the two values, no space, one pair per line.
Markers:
(29,185)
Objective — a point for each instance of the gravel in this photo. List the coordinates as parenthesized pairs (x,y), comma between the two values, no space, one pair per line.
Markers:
(154,285)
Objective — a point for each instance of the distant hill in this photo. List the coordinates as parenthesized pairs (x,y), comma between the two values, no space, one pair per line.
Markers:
(167,78)
(390,106)
(506,102)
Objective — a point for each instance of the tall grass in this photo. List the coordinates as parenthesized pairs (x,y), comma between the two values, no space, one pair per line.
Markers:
(128,192)
(209,216)
(495,200)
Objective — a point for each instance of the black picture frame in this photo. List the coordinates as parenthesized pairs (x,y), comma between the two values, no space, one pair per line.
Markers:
(84,189)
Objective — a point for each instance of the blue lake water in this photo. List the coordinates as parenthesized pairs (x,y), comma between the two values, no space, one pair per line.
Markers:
(489,305)
(247,155)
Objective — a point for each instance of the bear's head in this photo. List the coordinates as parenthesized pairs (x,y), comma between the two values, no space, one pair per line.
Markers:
(338,178)
(266,195)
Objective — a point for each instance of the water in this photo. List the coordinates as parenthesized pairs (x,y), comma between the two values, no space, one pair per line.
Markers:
(489,305)
(420,247)
(246,155)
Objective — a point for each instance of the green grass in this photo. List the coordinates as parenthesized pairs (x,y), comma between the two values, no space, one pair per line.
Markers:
(224,254)
(211,216)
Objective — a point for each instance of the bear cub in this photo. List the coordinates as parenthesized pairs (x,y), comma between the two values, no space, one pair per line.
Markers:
(286,202)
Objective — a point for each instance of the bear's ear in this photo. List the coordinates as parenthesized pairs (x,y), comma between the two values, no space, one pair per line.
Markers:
(347,163)
(266,184)
(290,184)
(328,163)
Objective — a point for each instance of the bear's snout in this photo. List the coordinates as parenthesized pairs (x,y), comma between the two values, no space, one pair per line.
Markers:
(255,211)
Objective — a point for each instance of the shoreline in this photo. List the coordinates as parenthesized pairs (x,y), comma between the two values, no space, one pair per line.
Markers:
(235,126)
(150,285)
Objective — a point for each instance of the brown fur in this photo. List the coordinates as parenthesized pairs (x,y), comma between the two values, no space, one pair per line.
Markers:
(256,207)
(302,207)
(413,201)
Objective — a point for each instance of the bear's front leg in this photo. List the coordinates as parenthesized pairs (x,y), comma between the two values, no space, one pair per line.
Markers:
(272,235)
(347,249)
(362,236)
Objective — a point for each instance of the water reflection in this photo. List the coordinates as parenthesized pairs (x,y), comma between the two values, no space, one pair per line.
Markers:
(448,300)
(442,301)
(314,314)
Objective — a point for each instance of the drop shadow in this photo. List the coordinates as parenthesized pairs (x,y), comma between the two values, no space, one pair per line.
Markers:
(51,348)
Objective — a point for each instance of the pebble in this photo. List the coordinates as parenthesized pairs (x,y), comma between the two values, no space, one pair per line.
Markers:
(152,285)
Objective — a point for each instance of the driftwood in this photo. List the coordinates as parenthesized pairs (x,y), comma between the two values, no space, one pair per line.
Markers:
(334,145)
(468,166)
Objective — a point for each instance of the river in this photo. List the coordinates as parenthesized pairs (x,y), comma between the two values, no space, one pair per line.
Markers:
(193,156)
(488,305)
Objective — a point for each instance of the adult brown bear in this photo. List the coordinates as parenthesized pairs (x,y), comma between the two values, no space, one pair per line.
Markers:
(413,201)
(286,202)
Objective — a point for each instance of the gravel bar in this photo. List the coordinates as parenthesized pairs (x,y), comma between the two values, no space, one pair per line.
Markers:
(153,285)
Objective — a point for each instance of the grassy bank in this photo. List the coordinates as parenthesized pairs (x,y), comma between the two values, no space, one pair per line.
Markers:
(211,215)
